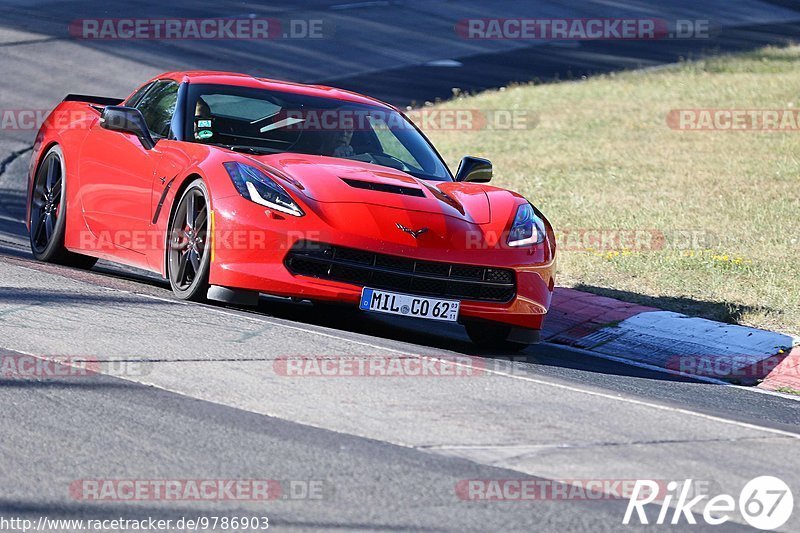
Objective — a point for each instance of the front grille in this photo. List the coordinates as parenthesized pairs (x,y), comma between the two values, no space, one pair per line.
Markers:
(389,272)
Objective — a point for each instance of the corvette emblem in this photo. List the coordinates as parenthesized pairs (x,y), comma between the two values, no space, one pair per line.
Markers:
(411,232)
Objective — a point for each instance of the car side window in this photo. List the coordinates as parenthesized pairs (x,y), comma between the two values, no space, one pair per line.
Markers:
(137,96)
(158,106)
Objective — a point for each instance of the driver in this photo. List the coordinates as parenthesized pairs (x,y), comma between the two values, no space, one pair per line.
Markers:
(341,146)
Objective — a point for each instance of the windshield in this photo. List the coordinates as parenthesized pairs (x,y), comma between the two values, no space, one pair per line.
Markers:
(262,121)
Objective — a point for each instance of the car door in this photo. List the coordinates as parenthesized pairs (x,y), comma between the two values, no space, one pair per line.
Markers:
(117,174)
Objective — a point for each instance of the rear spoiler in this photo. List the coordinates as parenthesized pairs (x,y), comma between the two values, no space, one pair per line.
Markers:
(99,100)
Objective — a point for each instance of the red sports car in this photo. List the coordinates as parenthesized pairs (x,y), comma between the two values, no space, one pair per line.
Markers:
(230,186)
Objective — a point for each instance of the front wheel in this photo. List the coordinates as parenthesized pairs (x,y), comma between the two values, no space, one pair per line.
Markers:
(48,214)
(188,252)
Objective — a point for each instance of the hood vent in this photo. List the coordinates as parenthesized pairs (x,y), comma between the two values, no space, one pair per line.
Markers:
(384,187)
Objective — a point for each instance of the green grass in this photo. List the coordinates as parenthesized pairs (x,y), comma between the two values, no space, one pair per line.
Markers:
(601,156)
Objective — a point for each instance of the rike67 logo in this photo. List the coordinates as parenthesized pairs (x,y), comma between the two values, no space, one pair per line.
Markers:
(765,503)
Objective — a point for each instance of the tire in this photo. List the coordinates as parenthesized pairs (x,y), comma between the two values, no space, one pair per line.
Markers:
(48,210)
(188,256)
(493,337)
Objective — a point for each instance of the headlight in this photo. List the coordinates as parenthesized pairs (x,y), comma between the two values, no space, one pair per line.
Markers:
(527,227)
(257,187)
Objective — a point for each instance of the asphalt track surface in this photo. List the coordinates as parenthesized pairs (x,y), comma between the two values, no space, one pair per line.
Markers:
(207,401)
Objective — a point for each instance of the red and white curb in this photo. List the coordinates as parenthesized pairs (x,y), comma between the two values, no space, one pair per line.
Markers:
(680,343)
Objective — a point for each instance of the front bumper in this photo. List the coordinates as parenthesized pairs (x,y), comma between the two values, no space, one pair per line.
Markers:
(250,247)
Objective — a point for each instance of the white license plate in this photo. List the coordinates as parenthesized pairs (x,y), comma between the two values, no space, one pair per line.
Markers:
(408,305)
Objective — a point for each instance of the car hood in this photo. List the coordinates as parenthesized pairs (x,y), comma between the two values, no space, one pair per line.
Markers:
(335,180)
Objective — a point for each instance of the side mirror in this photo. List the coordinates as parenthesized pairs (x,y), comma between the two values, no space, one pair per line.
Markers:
(475,170)
(127,120)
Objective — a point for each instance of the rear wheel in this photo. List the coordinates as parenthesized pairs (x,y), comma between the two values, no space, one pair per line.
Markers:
(48,214)
(189,256)
(492,336)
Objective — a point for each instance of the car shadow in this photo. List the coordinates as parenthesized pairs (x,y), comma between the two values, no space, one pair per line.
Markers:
(407,332)
(414,337)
